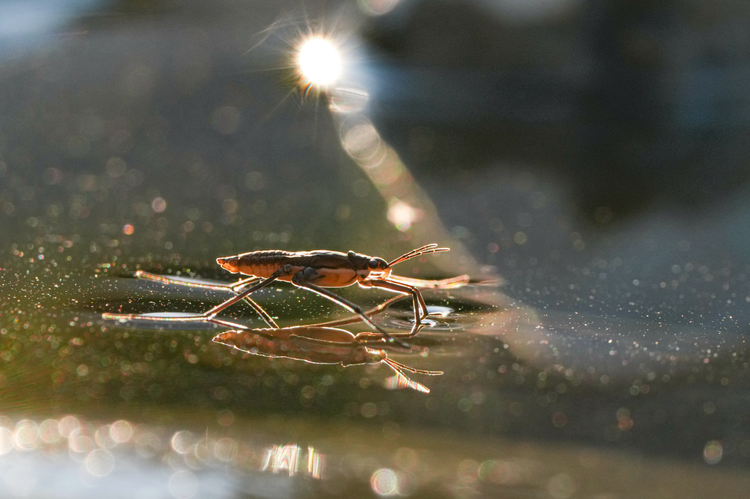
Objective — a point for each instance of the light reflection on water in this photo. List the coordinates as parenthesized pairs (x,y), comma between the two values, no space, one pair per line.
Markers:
(385,482)
(186,465)
(69,456)
(289,458)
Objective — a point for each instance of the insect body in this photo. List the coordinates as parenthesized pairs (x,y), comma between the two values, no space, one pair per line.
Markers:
(333,268)
(319,345)
(317,270)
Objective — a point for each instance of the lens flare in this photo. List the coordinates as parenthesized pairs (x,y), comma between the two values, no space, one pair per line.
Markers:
(318,61)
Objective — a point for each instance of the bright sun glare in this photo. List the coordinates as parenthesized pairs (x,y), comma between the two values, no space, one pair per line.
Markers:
(318,61)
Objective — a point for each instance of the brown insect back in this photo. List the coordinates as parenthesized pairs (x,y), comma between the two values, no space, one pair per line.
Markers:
(256,263)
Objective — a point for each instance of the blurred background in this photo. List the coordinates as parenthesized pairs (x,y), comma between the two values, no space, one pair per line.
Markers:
(584,161)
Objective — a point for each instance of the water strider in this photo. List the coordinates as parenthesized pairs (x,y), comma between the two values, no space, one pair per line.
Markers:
(315,270)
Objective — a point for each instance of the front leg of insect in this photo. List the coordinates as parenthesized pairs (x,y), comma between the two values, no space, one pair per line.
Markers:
(375,272)
(420,307)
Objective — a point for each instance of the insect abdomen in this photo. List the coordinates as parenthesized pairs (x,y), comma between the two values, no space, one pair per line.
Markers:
(263,263)
(257,263)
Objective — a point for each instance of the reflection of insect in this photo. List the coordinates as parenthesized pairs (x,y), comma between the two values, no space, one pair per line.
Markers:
(314,270)
(320,345)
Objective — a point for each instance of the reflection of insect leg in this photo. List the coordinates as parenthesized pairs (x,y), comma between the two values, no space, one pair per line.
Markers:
(301,279)
(233,288)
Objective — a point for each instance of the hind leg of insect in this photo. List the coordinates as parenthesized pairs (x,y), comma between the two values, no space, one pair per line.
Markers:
(233,288)
(302,279)
(147,276)
(209,316)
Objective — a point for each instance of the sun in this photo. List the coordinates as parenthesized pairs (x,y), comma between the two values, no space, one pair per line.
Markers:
(318,62)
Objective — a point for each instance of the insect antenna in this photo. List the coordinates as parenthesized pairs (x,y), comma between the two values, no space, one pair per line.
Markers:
(402,380)
(398,366)
(428,248)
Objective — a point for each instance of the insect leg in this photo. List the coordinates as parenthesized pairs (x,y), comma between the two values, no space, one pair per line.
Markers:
(210,315)
(402,380)
(147,276)
(285,270)
(355,319)
(420,307)
(233,288)
(368,337)
(450,283)
(236,287)
(233,325)
(300,279)
(404,367)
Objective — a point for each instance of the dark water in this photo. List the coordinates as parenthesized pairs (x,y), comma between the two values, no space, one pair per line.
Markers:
(580,364)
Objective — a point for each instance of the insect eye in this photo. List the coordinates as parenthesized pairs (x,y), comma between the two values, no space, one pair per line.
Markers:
(373,263)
